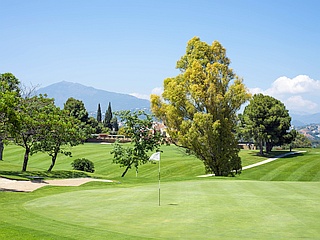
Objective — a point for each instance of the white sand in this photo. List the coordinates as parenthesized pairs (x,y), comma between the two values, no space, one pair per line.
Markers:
(29,186)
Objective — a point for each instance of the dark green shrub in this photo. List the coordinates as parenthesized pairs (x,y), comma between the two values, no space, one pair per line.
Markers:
(83,164)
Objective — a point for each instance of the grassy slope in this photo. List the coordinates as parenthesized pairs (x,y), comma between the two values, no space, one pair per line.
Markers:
(191,208)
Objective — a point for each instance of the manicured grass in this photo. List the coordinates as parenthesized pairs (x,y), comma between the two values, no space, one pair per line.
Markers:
(195,209)
(298,167)
(176,164)
(278,200)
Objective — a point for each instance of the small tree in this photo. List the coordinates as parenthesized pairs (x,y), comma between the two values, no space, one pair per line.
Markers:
(83,164)
(301,141)
(138,126)
(114,124)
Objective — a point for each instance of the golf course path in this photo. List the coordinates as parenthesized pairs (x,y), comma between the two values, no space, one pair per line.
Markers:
(29,186)
(261,163)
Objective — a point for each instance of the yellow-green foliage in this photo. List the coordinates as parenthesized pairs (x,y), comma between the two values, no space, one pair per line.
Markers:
(199,106)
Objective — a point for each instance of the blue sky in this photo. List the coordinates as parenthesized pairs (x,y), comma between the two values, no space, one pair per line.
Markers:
(132,46)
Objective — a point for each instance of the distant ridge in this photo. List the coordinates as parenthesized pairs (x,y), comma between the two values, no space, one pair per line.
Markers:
(91,97)
(302,120)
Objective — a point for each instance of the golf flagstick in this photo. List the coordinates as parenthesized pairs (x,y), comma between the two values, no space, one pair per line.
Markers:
(156,157)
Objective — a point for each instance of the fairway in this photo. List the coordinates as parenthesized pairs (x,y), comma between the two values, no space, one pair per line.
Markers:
(200,209)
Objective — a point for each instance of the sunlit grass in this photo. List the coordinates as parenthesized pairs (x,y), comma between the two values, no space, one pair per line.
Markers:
(278,200)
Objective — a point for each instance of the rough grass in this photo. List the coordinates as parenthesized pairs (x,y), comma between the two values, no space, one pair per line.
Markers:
(278,200)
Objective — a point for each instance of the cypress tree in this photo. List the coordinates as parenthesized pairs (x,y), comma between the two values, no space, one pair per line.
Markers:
(108,117)
(99,113)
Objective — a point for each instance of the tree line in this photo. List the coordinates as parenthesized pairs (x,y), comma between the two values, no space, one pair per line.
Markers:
(36,124)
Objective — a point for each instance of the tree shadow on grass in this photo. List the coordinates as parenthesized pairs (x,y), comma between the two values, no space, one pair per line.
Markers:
(294,155)
(18,175)
(274,154)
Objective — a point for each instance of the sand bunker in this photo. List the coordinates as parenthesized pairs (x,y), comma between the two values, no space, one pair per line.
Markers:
(29,186)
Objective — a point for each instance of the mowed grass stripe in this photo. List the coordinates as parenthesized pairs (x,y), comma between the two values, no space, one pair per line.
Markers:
(282,168)
(307,170)
(175,164)
(299,167)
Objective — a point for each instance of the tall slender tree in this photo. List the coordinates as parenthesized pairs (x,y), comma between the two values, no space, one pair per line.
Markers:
(108,117)
(199,106)
(99,115)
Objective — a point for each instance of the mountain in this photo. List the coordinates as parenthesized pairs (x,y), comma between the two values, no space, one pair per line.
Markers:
(91,97)
(306,119)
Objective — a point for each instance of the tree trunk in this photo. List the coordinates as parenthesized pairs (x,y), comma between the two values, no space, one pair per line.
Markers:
(261,147)
(125,171)
(269,147)
(53,161)
(25,160)
(1,149)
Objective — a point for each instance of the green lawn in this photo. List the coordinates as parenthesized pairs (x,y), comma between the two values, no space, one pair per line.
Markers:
(279,200)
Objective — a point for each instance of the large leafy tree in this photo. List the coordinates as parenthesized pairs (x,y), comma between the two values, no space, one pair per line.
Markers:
(144,139)
(63,132)
(9,96)
(76,109)
(8,82)
(199,106)
(267,121)
(33,123)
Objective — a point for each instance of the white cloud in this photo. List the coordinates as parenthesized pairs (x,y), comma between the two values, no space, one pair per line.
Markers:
(298,103)
(157,91)
(299,94)
(297,85)
(142,96)
(256,91)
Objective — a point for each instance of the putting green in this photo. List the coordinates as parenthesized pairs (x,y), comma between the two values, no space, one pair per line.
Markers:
(199,209)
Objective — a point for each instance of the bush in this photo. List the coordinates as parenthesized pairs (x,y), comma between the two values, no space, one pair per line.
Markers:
(83,164)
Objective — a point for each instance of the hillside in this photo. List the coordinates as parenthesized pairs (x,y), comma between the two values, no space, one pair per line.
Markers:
(91,97)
